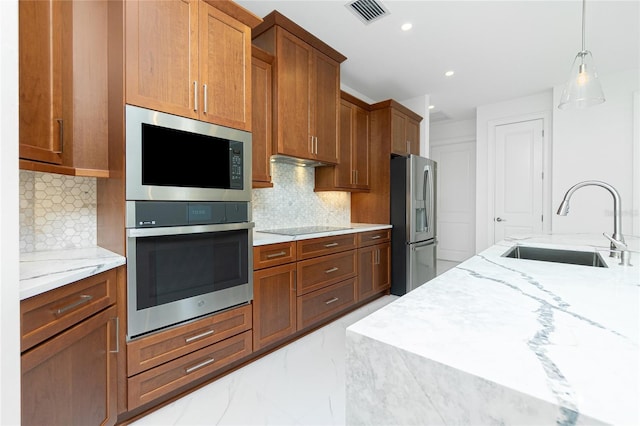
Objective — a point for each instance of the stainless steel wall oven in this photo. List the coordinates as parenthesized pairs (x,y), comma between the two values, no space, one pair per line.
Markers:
(189,236)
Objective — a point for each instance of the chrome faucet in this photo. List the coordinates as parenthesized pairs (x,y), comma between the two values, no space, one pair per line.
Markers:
(618,248)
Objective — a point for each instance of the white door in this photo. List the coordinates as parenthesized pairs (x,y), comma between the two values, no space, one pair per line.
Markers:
(456,203)
(518,179)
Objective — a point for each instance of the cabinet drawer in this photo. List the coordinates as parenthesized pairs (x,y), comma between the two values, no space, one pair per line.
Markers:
(370,238)
(156,349)
(318,305)
(326,245)
(314,274)
(49,313)
(154,383)
(273,255)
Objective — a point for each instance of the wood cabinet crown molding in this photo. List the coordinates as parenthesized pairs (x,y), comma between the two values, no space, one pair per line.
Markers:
(390,103)
(358,102)
(275,18)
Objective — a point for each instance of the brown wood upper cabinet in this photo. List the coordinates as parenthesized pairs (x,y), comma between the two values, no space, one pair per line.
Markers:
(63,87)
(352,174)
(261,127)
(405,128)
(395,129)
(306,89)
(190,58)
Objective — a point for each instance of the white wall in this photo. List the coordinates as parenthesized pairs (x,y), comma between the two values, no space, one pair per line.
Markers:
(9,275)
(443,132)
(487,116)
(596,143)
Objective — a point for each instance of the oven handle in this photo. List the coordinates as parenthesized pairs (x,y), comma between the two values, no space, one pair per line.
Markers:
(182,230)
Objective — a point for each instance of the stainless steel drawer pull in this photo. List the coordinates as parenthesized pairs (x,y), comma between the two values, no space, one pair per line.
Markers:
(330,301)
(199,366)
(331,245)
(330,270)
(375,237)
(83,299)
(199,336)
(271,256)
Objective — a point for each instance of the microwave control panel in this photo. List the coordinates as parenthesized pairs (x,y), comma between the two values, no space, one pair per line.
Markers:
(235,165)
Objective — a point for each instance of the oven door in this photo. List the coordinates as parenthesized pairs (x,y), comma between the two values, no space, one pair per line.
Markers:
(176,274)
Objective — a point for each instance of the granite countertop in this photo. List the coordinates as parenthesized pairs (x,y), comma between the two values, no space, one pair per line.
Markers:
(504,341)
(46,270)
(262,238)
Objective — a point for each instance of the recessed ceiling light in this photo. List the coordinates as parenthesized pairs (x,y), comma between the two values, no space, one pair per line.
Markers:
(449,73)
(407,26)
(432,106)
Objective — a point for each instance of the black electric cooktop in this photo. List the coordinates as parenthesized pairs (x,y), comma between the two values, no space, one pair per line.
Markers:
(301,230)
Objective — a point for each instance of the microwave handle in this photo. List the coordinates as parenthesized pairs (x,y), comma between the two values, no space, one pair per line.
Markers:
(190,229)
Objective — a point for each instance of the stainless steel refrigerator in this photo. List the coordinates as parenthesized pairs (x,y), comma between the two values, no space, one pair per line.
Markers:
(413,216)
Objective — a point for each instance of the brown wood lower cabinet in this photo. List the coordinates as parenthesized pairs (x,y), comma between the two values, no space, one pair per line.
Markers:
(274,304)
(374,272)
(70,352)
(71,379)
(318,305)
(164,362)
(157,382)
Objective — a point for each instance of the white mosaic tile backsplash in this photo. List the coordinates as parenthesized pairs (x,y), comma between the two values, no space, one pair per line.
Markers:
(59,212)
(292,202)
(56,211)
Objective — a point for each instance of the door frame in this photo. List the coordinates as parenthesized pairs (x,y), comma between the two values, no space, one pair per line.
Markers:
(547,208)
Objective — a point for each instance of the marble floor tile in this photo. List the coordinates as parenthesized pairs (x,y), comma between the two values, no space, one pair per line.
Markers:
(302,383)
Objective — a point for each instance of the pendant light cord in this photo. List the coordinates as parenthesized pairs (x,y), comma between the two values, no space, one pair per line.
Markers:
(584,7)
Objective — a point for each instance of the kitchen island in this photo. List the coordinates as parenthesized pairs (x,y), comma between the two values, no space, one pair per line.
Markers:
(499,340)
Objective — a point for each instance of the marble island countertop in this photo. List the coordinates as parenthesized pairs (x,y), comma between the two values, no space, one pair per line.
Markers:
(46,270)
(498,340)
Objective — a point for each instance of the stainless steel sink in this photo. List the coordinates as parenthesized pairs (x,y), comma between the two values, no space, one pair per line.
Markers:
(585,258)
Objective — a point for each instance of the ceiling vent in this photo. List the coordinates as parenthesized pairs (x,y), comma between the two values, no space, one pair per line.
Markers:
(368,10)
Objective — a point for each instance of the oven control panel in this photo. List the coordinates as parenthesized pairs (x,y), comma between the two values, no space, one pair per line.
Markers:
(152,214)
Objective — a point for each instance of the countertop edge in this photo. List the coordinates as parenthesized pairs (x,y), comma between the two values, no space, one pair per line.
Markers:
(262,238)
(47,270)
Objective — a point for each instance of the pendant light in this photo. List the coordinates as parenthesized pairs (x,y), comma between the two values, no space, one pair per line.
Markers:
(583,88)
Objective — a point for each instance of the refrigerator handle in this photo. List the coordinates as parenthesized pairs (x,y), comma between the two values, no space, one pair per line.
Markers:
(426,184)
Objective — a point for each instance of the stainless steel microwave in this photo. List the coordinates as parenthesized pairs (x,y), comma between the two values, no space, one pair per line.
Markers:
(172,158)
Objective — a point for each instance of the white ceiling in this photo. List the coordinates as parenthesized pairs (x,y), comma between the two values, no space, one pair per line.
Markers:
(499,50)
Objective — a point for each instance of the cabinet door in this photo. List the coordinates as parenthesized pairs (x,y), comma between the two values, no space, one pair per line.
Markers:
(366,285)
(261,127)
(360,148)
(324,107)
(398,135)
(382,263)
(225,69)
(413,136)
(274,304)
(344,172)
(374,271)
(44,53)
(71,379)
(293,90)
(161,55)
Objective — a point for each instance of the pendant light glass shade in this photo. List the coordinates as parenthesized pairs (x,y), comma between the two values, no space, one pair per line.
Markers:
(583,88)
